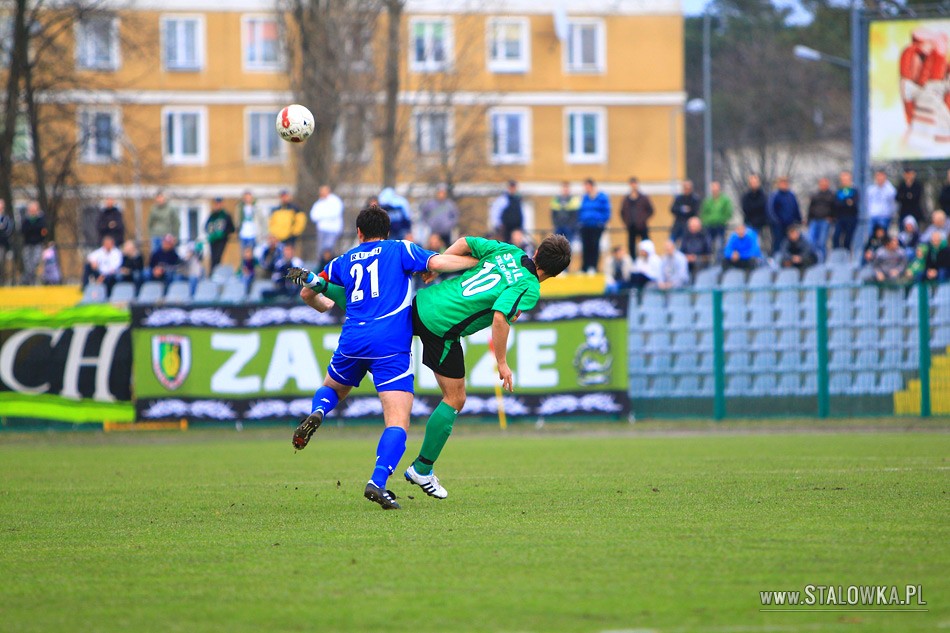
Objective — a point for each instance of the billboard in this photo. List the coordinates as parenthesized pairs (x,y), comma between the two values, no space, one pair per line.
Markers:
(909,93)
(264,363)
(71,367)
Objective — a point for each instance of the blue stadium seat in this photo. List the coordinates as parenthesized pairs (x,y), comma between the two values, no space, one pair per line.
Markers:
(222,273)
(94,293)
(707,386)
(736,341)
(638,386)
(840,359)
(760,278)
(891,358)
(705,342)
(680,301)
(734,317)
(232,292)
(790,361)
(764,361)
(761,316)
(655,320)
(682,319)
(839,383)
(688,386)
(789,316)
(738,362)
(707,278)
(684,341)
(840,338)
(809,340)
(809,384)
(732,278)
(911,359)
(637,362)
(840,297)
(942,296)
(817,275)
(705,362)
(867,315)
(660,364)
(151,292)
(890,382)
(787,297)
(866,359)
(941,315)
(940,337)
(703,302)
(764,385)
(653,299)
(662,386)
(841,275)
(738,385)
(839,257)
(787,277)
(765,339)
(206,291)
(178,292)
(867,338)
(686,363)
(892,313)
(789,384)
(658,342)
(865,382)
(810,360)
(636,340)
(122,292)
(789,339)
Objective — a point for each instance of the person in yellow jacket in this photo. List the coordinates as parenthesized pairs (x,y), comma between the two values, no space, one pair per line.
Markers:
(287,222)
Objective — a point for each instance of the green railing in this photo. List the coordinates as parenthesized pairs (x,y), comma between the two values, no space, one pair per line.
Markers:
(836,350)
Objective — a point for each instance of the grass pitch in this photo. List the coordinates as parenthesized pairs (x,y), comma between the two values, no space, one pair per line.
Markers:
(541,532)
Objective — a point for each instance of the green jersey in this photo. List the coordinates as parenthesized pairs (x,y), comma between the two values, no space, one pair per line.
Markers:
(503,281)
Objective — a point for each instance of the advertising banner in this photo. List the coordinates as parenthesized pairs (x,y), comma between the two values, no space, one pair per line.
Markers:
(909,100)
(73,366)
(265,362)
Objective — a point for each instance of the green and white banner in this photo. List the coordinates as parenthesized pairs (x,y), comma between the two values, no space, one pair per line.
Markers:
(262,363)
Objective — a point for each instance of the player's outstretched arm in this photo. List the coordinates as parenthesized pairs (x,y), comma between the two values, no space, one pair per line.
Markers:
(459,247)
(446,263)
(316,301)
(499,337)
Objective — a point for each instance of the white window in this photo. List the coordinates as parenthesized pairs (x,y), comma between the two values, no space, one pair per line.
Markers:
(585,46)
(185,136)
(431,132)
(586,136)
(510,135)
(263,144)
(431,45)
(352,139)
(97,43)
(261,43)
(509,46)
(192,216)
(99,133)
(183,43)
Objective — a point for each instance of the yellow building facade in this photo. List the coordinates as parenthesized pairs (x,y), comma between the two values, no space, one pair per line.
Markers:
(183,96)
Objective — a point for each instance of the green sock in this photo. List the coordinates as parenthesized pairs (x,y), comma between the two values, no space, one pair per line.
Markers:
(438,430)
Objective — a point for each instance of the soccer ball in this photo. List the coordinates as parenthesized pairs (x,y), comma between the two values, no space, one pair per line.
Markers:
(295,123)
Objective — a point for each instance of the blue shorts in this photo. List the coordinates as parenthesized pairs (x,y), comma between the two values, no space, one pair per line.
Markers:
(393,373)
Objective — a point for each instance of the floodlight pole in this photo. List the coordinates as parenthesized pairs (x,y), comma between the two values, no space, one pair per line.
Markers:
(707,97)
(859,113)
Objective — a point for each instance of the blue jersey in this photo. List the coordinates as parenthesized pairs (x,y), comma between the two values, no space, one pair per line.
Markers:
(377,277)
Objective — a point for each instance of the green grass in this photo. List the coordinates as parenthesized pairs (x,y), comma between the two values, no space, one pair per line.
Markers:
(542,531)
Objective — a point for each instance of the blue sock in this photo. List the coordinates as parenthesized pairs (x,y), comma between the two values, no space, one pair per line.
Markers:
(325,399)
(392,444)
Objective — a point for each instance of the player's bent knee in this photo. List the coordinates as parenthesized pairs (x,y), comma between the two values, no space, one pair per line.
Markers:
(455,400)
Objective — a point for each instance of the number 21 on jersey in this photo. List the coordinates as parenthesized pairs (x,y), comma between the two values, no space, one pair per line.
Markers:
(357,273)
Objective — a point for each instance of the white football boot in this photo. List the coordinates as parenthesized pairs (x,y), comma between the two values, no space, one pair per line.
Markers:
(429,483)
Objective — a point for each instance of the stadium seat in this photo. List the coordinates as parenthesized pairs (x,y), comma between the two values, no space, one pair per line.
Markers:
(206,291)
(733,317)
(687,386)
(705,363)
(707,386)
(840,297)
(764,361)
(256,295)
(638,386)
(892,313)
(178,292)
(839,257)
(840,338)
(867,315)
(739,385)
(122,292)
(839,316)
(787,277)
(940,337)
(866,359)
(817,275)
(761,316)
(732,278)
(867,338)
(765,339)
(890,382)
(787,297)
(703,302)
(891,358)
(686,363)
(653,300)
(652,321)
(637,362)
(658,342)
(868,295)
(809,339)
(660,364)
(809,384)
(736,341)
(662,386)
(789,339)
(941,315)
(789,384)
(790,361)
(705,343)
(911,359)
(840,359)
(841,275)
(839,383)
(764,385)
(707,278)
(151,292)
(738,362)
(789,316)
(222,273)
(891,338)
(810,360)
(682,319)
(680,301)
(94,293)
(684,341)
(865,382)
(636,340)
(942,296)
(760,278)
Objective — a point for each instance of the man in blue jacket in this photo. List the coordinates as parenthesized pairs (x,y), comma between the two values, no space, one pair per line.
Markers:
(592,218)
(783,212)
(742,250)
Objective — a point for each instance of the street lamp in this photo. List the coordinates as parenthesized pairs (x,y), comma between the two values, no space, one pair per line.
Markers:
(811,55)
(693,106)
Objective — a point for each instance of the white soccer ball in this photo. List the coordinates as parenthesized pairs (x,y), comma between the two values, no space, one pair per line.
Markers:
(295,123)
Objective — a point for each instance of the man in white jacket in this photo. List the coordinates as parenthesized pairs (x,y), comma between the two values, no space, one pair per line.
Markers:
(647,265)
(327,215)
(881,203)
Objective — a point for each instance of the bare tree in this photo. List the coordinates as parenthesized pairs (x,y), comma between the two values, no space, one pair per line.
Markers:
(331,66)
(389,134)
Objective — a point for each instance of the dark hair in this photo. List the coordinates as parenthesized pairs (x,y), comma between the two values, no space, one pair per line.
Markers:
(373,222)
(590,181)
(633,179)
(553,255)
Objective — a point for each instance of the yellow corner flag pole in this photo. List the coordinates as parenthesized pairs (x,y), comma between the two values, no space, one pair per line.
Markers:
(499,395)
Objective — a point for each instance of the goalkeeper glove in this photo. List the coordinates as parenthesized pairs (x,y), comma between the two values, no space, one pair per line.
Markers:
(306,278)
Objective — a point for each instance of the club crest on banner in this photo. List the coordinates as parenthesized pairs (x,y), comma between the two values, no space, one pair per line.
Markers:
(171,359)
(593,359)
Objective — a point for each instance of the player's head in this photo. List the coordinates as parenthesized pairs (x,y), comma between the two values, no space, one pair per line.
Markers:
(553,256)
(372,224)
